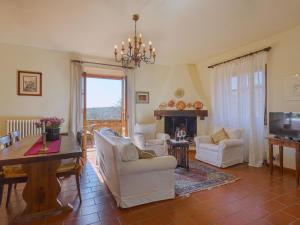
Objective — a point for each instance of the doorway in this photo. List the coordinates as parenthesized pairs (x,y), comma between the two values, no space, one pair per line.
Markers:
(105,106)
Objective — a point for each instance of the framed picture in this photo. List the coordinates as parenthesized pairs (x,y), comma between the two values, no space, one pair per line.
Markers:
(142,97)
(29,83)
(292,88)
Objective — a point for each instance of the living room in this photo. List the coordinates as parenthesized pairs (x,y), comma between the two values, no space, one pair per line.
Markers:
(209,65)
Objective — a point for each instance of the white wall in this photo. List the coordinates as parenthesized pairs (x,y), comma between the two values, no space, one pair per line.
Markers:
(283,62)
(161,82)
(55,67)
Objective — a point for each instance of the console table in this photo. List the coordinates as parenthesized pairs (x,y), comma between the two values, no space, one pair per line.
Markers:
(284,143)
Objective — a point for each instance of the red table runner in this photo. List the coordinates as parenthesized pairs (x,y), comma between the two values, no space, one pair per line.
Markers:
(53,147)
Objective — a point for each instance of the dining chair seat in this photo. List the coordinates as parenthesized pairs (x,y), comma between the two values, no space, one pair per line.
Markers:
(13,171)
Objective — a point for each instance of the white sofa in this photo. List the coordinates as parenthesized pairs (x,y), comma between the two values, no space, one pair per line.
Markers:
(146,138)
(227,153)
(133,182)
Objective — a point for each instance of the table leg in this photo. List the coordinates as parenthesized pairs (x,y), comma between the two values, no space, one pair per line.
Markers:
(298,164)
(271,157)
(281,158)
(41,191)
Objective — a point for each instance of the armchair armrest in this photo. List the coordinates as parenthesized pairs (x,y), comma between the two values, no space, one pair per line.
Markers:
(231,143)
(163,136)
(147,165)
(205,139)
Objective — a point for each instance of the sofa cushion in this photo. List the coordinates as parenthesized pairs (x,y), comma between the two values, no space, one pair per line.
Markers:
(211,147)
(219,136)
(146,154)
(127,151)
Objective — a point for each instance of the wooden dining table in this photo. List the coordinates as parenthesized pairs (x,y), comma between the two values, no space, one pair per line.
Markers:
(42,187)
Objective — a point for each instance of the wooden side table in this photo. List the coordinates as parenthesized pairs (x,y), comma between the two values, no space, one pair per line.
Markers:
(180,150)
(284,143)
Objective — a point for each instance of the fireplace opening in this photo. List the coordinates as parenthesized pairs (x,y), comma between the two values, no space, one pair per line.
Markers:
(188,122)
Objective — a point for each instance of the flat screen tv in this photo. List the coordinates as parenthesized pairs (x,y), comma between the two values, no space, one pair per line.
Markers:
(285,124)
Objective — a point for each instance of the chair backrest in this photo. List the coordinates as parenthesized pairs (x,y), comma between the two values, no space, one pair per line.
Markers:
(4,142)
(15,136)
(148,130)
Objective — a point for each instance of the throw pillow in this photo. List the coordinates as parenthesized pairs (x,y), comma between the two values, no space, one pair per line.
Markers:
(219,136)
(128,151)
(146,154)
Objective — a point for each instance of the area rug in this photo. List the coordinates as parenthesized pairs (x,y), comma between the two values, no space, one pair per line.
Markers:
(200,177)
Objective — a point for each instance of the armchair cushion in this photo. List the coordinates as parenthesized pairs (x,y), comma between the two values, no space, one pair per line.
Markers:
(230,142)
(146,154)
(203,139)
(128,151)
(234,133)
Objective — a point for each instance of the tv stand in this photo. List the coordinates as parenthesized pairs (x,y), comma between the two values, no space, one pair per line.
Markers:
(284,142)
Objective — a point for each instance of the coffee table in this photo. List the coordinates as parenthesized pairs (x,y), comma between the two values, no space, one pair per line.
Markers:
(180,150)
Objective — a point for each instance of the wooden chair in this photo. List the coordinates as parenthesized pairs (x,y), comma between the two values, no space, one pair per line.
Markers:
(15,136)
(9,174)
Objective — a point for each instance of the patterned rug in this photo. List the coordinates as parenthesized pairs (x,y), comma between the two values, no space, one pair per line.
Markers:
(200,177)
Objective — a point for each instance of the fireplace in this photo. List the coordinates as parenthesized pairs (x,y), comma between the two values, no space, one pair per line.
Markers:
(188,122)
(181,118)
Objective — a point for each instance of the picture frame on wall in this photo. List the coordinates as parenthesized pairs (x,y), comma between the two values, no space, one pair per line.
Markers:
(292,88)
(29,83)
(142,97)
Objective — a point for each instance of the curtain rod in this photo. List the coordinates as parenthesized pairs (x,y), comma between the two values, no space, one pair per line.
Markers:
(239,57)
(103,64)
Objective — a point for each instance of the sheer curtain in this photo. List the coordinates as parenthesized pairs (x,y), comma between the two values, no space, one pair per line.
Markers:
(239,101)
(130,74)
(76,95)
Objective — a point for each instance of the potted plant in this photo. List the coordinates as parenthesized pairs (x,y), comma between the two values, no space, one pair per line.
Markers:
(52,127)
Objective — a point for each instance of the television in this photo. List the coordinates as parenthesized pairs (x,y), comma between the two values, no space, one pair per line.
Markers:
(285,124)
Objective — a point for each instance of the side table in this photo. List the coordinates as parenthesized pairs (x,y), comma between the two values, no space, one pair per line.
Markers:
(180,150)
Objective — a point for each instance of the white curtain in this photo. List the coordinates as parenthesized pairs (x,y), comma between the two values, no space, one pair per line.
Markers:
(76,95)
(239,101)
(130,74)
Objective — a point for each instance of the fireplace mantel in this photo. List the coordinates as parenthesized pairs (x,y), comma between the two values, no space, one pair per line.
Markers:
(197,113)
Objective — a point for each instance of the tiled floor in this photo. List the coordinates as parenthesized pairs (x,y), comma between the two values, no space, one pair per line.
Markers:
(256,199)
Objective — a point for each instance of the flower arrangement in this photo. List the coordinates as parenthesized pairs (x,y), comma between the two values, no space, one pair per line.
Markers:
(50,122)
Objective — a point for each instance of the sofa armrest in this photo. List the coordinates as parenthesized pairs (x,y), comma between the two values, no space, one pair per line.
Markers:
(205,139)
(163,136)
(231,143)
(139,140)
(147,165)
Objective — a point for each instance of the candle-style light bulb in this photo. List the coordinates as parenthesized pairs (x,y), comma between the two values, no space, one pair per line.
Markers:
(116,47)
(150,43)
(123,43)
(129,40)
(140,35)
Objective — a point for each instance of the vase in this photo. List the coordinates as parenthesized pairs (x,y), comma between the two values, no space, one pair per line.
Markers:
(52,133)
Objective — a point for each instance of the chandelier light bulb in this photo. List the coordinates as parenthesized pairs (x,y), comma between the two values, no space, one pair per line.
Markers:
(123,43)
(129,40)
(140,35)
(153,49)
(150,43)
(116,46)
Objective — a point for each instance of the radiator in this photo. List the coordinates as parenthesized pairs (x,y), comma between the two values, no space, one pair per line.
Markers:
(26,127)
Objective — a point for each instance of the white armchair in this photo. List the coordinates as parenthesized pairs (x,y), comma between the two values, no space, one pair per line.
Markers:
(146,138)
(227,153)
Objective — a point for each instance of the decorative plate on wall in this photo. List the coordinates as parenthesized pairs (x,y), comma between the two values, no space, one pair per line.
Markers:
(179,92)
(180,105)
(171,103)
(198,105)
(163,105)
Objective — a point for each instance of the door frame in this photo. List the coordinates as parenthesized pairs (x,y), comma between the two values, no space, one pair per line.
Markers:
(124,104)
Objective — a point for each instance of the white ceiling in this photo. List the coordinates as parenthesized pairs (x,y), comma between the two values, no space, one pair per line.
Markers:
(183,31)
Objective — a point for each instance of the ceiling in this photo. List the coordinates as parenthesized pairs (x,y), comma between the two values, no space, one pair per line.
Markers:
(182,31)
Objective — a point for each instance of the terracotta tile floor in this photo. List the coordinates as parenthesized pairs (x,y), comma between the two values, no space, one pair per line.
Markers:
(256,199)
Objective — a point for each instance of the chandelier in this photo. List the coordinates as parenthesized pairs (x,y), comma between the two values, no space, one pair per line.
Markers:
(136,50)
